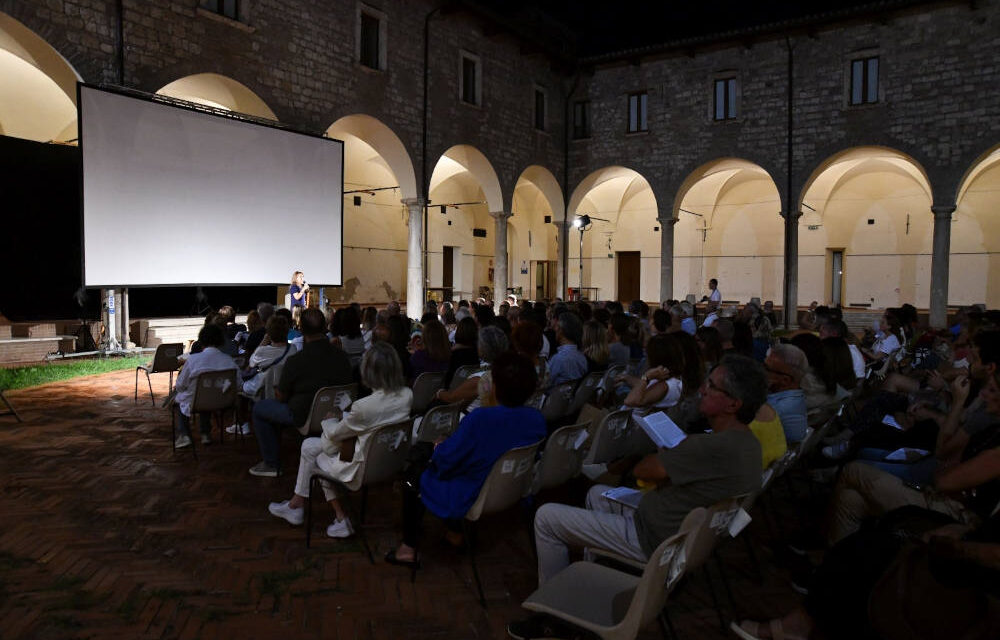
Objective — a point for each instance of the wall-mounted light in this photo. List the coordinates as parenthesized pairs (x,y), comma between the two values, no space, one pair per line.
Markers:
(444,208)
(357,201)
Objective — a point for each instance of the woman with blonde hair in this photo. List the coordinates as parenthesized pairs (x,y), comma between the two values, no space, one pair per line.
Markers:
(297,290)
(595,346)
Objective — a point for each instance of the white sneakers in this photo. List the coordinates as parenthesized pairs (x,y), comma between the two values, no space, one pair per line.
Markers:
(244,428)
(340,529)
(182,442)
(294,517)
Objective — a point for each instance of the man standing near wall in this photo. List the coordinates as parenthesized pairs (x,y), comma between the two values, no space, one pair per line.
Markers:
(714,294)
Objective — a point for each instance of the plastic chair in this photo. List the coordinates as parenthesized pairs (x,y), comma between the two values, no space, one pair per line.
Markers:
(215,391)
(585,392)
(536,400)
(385,453)
(613,604)
(507,483)
(424,388)
(606,387)
(609,440)
(557,401)
(439,421)
(164,361)
(325,400)
(462,374)
(562,458)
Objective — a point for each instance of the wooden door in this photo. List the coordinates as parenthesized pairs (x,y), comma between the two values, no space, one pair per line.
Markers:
(628,276)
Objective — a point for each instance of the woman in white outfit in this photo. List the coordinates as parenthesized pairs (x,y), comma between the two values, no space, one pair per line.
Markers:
(346,434)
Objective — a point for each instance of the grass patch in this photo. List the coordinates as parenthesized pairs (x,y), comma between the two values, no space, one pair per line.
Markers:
(34,375)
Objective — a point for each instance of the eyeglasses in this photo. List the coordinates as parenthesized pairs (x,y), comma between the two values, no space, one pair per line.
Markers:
(710,384)
(777,371)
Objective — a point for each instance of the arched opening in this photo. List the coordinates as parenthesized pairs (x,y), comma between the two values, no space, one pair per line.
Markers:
(378,175)
(220,92)
(37,87)
(533,251)
(729,228)
(866,230)
(460,241)
(975,236)
(621,253)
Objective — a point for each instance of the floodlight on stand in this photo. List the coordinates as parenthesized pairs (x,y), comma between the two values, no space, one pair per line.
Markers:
(581,222)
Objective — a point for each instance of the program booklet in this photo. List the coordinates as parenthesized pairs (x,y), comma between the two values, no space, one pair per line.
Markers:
(663,431)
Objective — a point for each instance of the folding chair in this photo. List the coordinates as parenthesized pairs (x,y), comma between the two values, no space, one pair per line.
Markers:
(384,455)
(615,605)
(439,421)
(325,400)
(215,391)
(562,458)
(164,361)
(424,388)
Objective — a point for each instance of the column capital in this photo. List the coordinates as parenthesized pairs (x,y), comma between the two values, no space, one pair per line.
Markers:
(943,210)
(497,215)
(667,219)
(414,202)
(791,215)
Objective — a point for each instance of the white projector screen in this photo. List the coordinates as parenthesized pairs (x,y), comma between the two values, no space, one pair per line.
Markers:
(174,196)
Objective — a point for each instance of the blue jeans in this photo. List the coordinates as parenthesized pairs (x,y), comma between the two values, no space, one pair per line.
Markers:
(918,472)
(269,418)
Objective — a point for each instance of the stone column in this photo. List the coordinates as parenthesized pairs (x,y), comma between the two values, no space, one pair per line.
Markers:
(939,264)
(561,253)
(666,257)
(415,294)
(500,259)
(790,298)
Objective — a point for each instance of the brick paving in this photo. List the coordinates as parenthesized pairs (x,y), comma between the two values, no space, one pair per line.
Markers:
(107,533)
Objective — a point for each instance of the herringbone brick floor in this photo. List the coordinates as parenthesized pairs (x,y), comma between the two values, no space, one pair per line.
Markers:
(106,533)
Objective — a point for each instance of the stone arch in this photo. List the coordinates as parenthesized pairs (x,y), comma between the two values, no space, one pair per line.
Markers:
(975,234)
(219,91)
(729,227)
(873,205)
(385,143)
(533,243)
(37,86)
(622,205)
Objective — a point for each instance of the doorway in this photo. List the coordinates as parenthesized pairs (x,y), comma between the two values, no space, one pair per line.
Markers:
(545,279)
(628,276)
(836,277)
(448,273)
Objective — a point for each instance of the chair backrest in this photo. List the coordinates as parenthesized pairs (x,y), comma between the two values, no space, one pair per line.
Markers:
(562,457)
(439,421)
(424,388)
(215,391)
(325,400)
(610,439)
(462,374)
(585,392)
(165,357)
(536,400)
(664,569)
(718,518)
(557,401)
(507,483)
(386,451)
(608,381)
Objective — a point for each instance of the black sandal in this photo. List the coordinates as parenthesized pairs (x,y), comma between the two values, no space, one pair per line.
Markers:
(391,558)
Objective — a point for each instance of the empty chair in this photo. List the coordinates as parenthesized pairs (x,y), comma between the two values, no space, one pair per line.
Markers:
(385,452)
(215,392)
(340,396)
(562,457)
(439,421)
(424,388)
(585,392)
(613,604)
(164,361)
(609,439)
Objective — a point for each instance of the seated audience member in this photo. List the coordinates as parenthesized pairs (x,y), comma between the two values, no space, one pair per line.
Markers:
(769,312)
(711,346)
(819,384)
(434,354)
(526,339)
(760,328)
(477,390)
(700,471)
(339,452)
(465,351)
(253,324)
(264,368)
(726,329)
(349,332)
(661,386)
(840,361)
(462,461)
(688,325)
(786,365)
(837,329)
(660,322)
(227,318)
(595,346)
(887,339)
(568,363)
(399,338)
(711,314)
(368,321)
(265,310)
(618,352)
(210,358)
(319,364)
(766,426)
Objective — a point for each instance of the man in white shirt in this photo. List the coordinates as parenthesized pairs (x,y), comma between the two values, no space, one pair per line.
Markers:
(715,295)
(712,314)
(211,337)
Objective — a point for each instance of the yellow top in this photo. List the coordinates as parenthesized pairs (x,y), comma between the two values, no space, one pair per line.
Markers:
(771,436)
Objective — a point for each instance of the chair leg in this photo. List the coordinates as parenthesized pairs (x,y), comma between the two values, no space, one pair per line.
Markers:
(152,399)
(470,545)
(715,598)
(725,583)
(753,559)
(313,486)
(135,399)
(10,408)
(666,625)
(364,505)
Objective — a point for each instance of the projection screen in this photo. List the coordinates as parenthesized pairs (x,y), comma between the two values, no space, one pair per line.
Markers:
(176,196)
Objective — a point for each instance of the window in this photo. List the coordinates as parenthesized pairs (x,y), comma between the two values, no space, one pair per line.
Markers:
(637,112)
(725,99)
(227,8)
(369,38)
(470,80)
(540,109)
(864,80)
(581,119)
